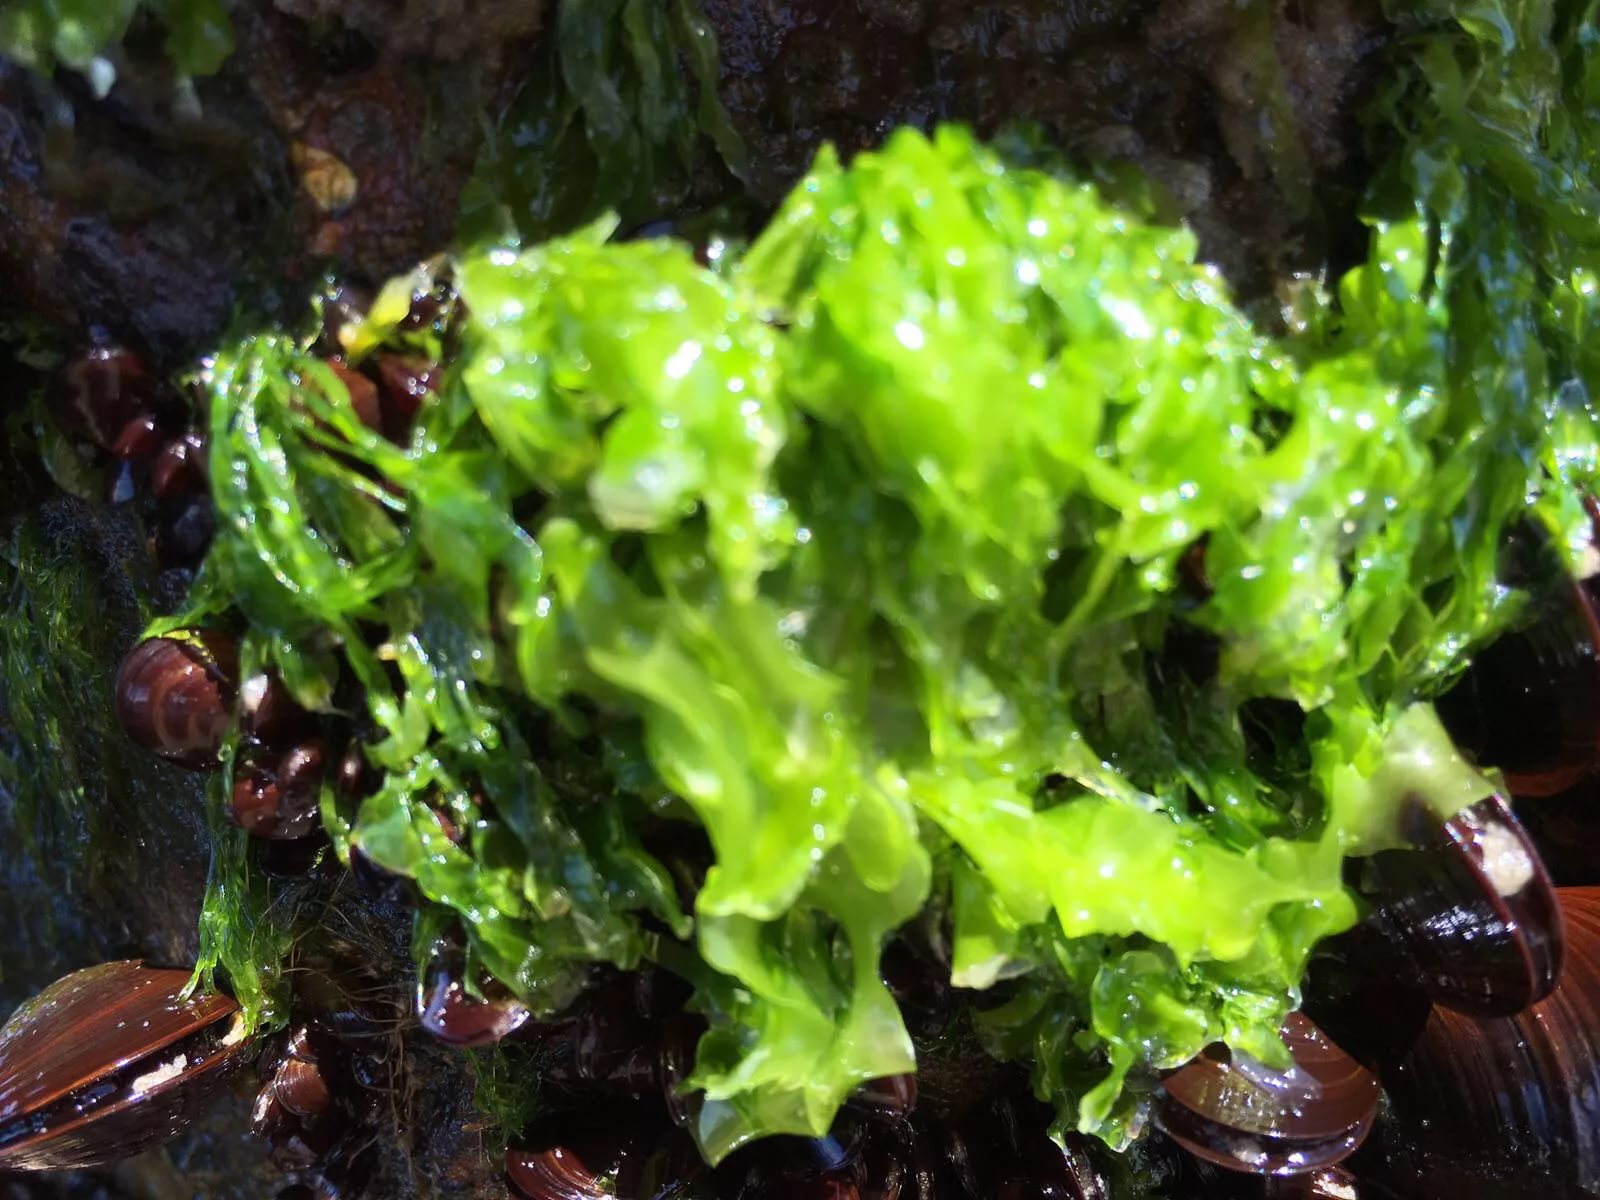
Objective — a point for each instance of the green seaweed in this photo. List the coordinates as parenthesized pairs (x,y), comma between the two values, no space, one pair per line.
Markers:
(505,1091)
(863,553)
(609,121)
(42,34)
(244,935)
(1489,125)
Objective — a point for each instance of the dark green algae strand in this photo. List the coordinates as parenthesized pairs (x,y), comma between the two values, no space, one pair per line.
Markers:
(622,114)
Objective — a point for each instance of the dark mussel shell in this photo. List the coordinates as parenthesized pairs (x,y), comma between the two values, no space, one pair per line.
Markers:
(280,803)
(292,859)
(1530,702)
(1334,1183)
(607,1045)
(1045,1171)
(891,1096)
(108,1062)
(183,533)
(314,1108)
(301,1088)
(354,777)
(612,1046)
(1502,1108)
(625,1153)
(457,1018)
(1244,1117)
(408,382)
(794,1168)
(140,439)
(96,396)
(269,1120)
(180,467)
(680,1041)
(269,714)
(1469,918)
(659,993)
(552,1174)
(1002,1148)
(825,1188)
(175,694)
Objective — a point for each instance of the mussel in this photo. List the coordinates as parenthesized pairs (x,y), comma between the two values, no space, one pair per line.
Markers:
(623,1039)
(301,1088)
(629,1155)
(680,1039)
(1036,1168)
(297,1092)
(1469,917)
(1241,1115)
(174,694)
(183,533)
(1334,1183)
(108,1062)
(554,1173)
(1000,1148)
(140,439)
(179,466)
(269,715)
(98,395)
(450,1013)
(891,1096)
(1502,1108)
(1529,704)
(408,383)
(794,1168)
(279,801)
(314,1109)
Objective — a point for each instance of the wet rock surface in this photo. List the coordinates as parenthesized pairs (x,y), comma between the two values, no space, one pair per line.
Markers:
(440,29)
(343,134)
(1247,120)
(159,211)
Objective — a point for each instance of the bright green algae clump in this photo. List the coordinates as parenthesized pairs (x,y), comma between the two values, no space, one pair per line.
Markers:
(873,555)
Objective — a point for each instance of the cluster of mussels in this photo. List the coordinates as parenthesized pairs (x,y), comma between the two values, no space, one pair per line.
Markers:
(129,420)
(612,1071)
(1450,1042)
(327,1078)
(135,1080)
